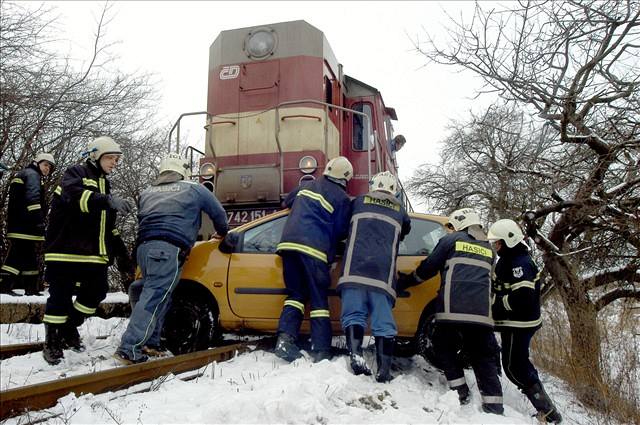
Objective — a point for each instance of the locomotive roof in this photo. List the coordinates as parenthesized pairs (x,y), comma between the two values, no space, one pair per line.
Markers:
(294,38)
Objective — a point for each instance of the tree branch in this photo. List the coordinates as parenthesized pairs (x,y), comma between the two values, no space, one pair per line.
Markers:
(610,297)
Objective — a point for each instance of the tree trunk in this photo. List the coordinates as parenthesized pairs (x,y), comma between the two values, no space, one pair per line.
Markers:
(585,337)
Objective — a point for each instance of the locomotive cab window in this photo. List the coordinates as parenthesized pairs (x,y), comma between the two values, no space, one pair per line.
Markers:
(361,131)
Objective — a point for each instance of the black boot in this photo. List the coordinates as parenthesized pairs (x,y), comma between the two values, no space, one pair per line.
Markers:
(31,285)
(52,351)
(71,338)
(355,335)
(463,394)
(384,356)
(286,347)
(543,404)
(7,283)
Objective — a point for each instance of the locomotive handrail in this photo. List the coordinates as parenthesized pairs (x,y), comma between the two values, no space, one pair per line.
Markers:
(222,122)
(312,117)
(326,106)
(177,124)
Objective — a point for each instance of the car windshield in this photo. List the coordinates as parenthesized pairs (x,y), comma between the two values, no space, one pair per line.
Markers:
(423,237)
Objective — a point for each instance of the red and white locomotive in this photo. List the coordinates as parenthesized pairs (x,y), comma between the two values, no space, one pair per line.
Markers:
(278,108)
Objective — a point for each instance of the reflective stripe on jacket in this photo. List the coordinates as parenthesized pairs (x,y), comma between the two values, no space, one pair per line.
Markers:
(378,224)
(464,264)
(81,224)
(319,219)
(517,290)
(27,207)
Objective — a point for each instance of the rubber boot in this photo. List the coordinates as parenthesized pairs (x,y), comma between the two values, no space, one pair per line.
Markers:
(7,283)
(463,394)
(71,338)
(384,356)
(52,351)
(355,336)
(320,355)
(286,347)
(31,285)
(547,411)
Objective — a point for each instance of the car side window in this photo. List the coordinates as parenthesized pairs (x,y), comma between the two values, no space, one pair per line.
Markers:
(265,237)
(423,237)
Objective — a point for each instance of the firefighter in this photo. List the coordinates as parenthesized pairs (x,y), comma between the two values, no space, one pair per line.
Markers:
(80,243)
(25,226)
(464,260)
(516,311)
(169,217)
(368,280)
(319,219)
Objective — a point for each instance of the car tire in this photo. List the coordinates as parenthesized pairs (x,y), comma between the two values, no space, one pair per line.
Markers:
(424,338)
(191,324)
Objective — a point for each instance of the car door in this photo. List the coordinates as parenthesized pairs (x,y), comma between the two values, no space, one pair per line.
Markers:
(419,243)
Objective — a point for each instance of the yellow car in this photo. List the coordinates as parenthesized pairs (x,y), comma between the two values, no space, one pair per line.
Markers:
(242,289)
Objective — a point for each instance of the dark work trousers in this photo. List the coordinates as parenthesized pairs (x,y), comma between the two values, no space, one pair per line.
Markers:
(515,357)
(63,279)
(22,262)
(306,279)
(478,342)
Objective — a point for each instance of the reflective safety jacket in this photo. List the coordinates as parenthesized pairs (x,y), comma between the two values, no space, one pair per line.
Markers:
(378,224)
(173,212)
(465,266)
(517,290)
(319,219)
(81,224)
(27,207)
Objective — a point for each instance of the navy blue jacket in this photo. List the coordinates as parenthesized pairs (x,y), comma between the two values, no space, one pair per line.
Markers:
(81,225)
(517,290)
(465,266)
(378,224)
(319,219)
(27,207)
(173,212)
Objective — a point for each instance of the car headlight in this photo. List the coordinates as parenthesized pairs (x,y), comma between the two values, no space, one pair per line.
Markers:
(308,164)
(260,43)
(207,170)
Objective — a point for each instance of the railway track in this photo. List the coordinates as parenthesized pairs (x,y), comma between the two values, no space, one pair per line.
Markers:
(17,401)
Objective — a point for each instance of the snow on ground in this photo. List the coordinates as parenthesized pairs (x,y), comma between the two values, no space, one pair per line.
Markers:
(257,387)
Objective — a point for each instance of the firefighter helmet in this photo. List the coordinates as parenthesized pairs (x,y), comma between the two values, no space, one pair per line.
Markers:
(384,182)
(506,230)
(174,162)
(44,156)
(339,168)
(102,145)
(463,218)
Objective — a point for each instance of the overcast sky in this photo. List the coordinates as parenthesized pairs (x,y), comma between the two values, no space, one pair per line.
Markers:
(373,41)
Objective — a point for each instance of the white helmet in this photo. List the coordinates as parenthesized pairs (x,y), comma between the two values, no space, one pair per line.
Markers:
(384,182)
(44,156)
(102,145)
(463,218)
(339,168)
(506,230)
(174,162)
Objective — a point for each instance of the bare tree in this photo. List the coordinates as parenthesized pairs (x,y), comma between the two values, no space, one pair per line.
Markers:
(575,64)
(48,104)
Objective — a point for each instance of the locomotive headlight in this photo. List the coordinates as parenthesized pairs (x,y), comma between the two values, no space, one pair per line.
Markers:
(207,170)
(308,164)
(260,43)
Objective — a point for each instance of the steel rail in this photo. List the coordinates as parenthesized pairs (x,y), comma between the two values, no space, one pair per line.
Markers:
(40,396)
(11,350)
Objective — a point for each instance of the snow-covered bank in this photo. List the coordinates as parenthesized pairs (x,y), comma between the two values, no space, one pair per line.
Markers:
(257,387)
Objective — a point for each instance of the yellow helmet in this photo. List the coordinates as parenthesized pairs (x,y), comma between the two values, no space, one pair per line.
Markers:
(384,182)
(174,162)
(463,218)
(506,230)
(44,156)
(102,145)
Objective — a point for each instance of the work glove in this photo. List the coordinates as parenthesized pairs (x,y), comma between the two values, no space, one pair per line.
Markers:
(405,280)
(122,205)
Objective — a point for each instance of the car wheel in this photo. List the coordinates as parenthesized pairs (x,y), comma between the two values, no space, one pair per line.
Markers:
(191,324)
(424,339)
